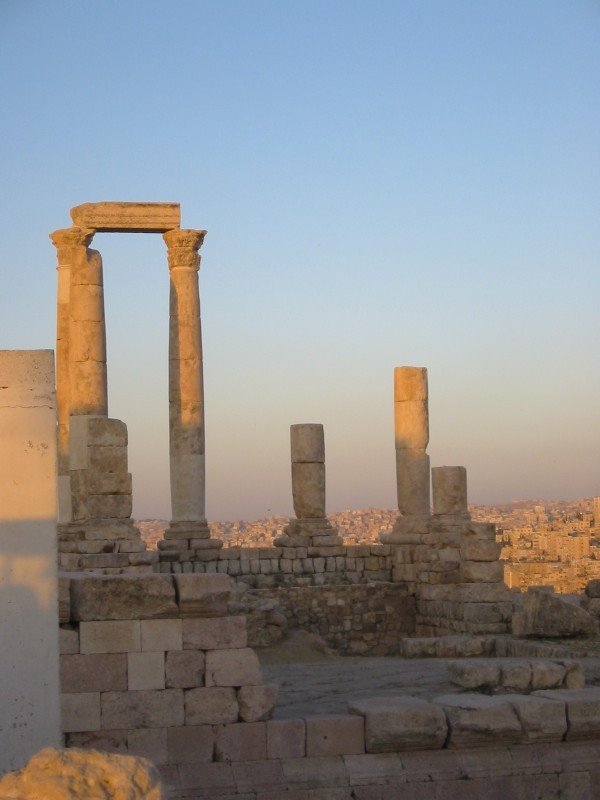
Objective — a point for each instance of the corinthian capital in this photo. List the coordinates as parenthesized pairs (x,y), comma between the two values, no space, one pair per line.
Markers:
(72,237)
(183,246)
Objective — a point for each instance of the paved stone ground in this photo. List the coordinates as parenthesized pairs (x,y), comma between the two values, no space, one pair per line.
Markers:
(317,681)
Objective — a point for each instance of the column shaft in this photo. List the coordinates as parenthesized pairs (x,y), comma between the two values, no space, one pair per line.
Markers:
(67,242)
(186,389)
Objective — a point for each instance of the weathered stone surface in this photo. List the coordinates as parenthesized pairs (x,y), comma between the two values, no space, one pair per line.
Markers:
(114,216)
(410,383)
(234,667)
(184,669)
(478,720)
(145,671)
(307,443)
(257,702)
(286,738)
(211,706)
(401,723)
(583,711)
(245,741)
(412,482)
(541,720)
(112,597)
(548,616)
(516,676)
(308,489)
(143,709)
(593,588)
(63,774)
(203,595)
(217,633)
(111,636)
(449,490)
(151,743)
(546,674)
(99,672)
(333,735)
(161,634)
(475,674)
(80,711)
(190,744)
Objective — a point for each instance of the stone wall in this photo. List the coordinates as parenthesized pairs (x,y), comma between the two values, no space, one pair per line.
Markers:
(361,619)
(273,566)
(29,710)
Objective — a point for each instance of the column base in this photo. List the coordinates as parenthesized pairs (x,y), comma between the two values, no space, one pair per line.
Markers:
(308,533)
(104,546)
(408,529)
(188,541)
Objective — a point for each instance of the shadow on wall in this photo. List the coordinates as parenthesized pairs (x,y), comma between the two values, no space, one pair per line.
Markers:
(29,680)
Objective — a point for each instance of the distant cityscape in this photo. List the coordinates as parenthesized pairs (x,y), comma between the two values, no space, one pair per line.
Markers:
(544,542)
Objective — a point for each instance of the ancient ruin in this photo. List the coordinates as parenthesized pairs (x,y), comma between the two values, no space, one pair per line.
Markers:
(179,654)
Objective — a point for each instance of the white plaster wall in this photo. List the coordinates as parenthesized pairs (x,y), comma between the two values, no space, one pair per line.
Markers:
(29,682)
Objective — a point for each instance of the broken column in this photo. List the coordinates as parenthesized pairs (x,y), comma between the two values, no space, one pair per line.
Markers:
(188,529)
(450,494)
(311,526)
(70,244)
(411,423)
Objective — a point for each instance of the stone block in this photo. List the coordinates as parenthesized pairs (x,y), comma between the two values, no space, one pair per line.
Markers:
(161,634)
(190,744)
(307,443)
(232,668)
(145,671)
(244,741)
(80,711)
(142,709)
(106,431)
(583,711)
(149,743)
(547,674)
(549,616)
(101,483)
(68,641)
(216,633)
(286,738)
(107,458)
(203,595)
(184,669)
(64,599)
(481,571)
(127,217)
(109,506)
(327,772)
(411,424)
(541,720)
(401,723)
(516,676)
(333,735)
(257,702)
(475,674)
(105,741)
(117,636)
(575,677)
(593,588)
(98,672)
(120,597)
(210,706)
(479,721)
(478,550)
(410,383)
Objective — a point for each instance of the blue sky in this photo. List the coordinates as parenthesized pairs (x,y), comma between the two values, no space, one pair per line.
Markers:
(382,183)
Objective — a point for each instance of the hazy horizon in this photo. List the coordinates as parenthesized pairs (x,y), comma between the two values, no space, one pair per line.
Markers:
(398,184)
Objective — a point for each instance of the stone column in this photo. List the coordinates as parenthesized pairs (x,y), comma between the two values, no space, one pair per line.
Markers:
(88,393)
(411,422)
(450,492)
(186,390)
(311,526)
(67,241)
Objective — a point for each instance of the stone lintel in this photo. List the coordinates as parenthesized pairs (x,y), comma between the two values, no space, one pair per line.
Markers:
(115,217)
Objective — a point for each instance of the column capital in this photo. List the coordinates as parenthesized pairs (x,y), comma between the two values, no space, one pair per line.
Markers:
(182,246)
(72,237)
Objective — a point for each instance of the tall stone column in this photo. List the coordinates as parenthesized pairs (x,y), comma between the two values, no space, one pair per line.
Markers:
(411,423)
(68,242)
(88,394)
(186,389)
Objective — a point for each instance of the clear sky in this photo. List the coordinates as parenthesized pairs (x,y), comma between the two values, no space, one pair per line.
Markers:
(383,183)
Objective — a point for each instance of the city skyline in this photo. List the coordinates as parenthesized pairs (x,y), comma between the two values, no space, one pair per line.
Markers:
(401,185)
